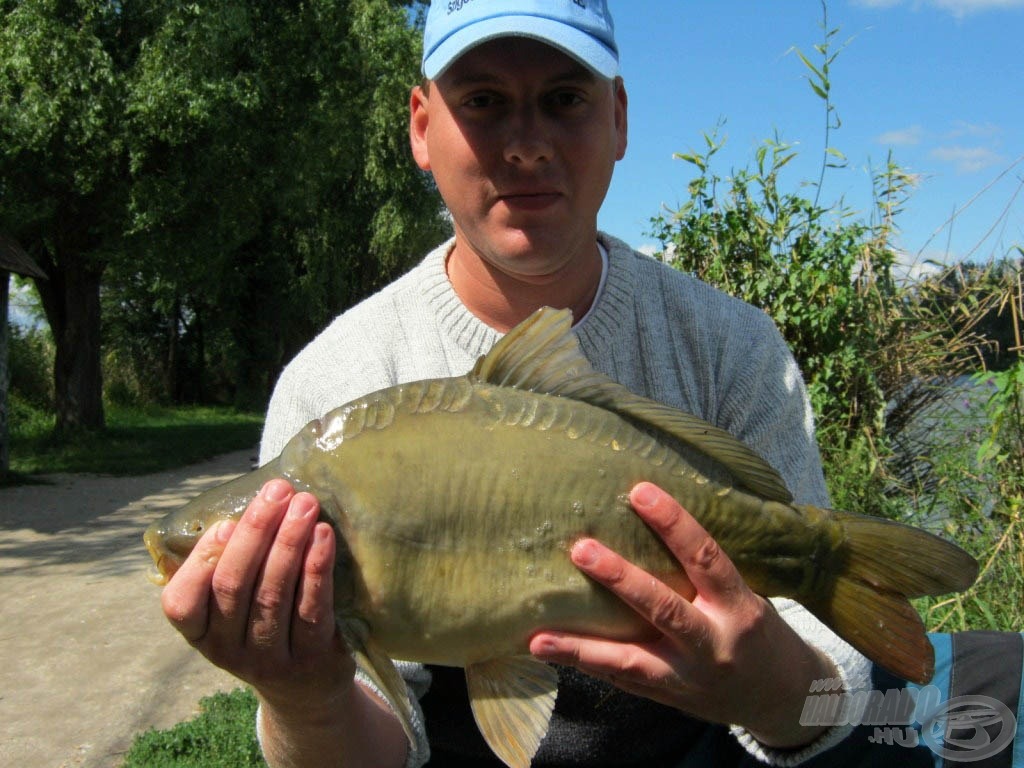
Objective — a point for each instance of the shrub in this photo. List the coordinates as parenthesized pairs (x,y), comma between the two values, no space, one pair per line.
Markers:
(30,361)
(223,734)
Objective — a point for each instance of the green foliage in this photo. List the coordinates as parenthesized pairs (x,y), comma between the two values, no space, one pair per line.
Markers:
(30,365)
(858,475)
(230,174)
(136,441)
(1003,447)
(223,735)
(874,351)
(821,83)
(63,181)
(884,360)
(292,117)
(981,505)
(825,279)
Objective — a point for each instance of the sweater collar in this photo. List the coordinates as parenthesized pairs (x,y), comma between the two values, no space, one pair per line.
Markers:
(605,320)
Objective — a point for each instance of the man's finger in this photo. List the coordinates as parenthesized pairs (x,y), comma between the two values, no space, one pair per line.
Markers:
(274,593)
(242,561)
(186,598)
(667,610)
(712,573)
(629,666)
(314,600)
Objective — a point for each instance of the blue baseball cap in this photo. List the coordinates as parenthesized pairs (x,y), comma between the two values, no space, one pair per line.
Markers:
(582,29)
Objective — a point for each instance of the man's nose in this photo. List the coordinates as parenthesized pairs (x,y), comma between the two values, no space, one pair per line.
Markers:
(528,139)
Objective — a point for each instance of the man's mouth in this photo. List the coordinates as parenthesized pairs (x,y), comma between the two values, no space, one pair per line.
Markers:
(530,201)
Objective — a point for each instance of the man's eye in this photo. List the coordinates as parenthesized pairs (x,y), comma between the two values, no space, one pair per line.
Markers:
(480,100)
(565,99)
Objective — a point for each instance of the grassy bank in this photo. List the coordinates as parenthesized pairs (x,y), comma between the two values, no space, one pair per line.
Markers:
(223,734)
(136,441)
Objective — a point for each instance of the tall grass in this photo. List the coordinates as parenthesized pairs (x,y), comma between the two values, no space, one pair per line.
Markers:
(136,440)
(981,502)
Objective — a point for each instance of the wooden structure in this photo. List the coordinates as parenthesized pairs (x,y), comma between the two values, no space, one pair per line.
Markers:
(13,259)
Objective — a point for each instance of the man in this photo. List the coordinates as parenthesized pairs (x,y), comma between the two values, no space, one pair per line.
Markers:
(520,119)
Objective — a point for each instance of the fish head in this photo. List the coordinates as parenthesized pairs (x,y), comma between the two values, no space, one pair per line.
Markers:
(172,538)
(169,542)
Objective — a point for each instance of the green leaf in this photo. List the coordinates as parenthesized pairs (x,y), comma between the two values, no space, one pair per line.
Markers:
(807,63)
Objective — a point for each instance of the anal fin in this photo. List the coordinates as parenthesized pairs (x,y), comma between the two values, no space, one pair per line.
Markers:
(378,666)
(512,701)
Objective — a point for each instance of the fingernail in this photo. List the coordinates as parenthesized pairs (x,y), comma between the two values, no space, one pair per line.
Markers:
(545,646)
(644,495)
(301,508)
(584,553)
(224,530)
(275,490)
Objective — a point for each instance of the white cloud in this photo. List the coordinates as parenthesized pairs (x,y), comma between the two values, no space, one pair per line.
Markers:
(877,3)
(978,131)
(967,159)
(910,267)
(902,137)
(958,8)
(655,250)
(961,8)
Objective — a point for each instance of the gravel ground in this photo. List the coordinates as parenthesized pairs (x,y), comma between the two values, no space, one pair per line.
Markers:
(87,659)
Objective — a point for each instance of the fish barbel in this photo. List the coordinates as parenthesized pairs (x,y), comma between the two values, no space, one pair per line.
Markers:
(455,503)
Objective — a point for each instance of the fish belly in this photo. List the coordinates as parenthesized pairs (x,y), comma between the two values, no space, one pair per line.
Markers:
(460,522)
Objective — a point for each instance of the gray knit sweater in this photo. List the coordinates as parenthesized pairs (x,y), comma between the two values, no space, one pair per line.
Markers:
(659,332)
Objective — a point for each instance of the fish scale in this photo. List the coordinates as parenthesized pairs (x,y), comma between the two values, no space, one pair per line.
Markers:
(468,510)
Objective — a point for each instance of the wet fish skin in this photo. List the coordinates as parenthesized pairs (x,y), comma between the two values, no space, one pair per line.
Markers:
(455,502)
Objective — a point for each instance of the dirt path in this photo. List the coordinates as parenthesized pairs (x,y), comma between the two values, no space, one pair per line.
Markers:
(86,657)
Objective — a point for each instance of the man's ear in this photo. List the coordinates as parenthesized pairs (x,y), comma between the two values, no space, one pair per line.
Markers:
(621,116)
(418,120)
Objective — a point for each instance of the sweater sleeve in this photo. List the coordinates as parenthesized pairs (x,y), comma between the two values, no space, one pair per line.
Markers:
(779,424)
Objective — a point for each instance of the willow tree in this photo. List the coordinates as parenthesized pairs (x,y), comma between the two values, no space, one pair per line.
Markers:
(230,165)
(63,171)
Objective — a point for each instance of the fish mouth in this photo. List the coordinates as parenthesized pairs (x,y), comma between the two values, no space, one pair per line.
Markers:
(157,577)
(166,562)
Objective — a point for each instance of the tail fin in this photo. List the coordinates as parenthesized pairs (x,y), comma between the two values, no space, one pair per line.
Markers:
(885,563)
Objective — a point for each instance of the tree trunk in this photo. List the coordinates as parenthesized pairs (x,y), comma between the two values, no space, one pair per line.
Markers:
(71,299)
(5,455)
(172,365)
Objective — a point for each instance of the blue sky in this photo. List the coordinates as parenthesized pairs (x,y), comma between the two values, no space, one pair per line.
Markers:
(939,82)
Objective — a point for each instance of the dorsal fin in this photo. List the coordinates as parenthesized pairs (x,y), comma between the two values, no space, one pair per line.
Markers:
(542,355)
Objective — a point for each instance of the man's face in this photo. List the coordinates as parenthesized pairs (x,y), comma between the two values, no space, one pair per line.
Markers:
(521,140)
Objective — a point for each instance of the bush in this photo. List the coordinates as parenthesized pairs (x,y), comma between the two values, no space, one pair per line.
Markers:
(980,504)
(30,361)
(223,735)
(25,420)
(882,357)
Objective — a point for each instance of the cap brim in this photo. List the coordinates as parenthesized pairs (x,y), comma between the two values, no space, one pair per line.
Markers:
(579,45)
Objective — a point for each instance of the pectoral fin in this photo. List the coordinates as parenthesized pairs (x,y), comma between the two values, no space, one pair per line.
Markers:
(378,666)
(512,700)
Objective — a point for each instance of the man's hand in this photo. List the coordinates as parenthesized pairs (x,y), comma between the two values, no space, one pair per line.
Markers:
(723,653)
(256,598)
